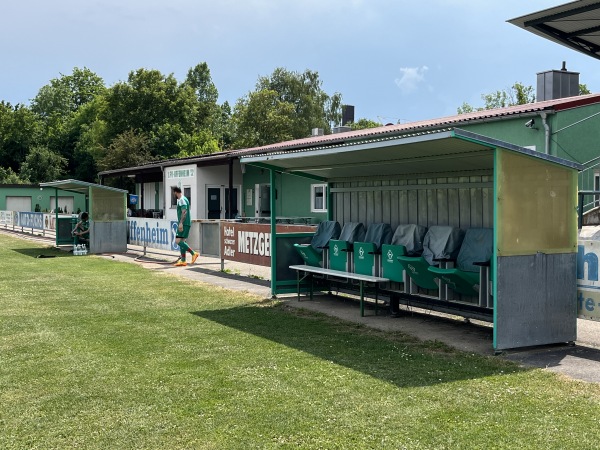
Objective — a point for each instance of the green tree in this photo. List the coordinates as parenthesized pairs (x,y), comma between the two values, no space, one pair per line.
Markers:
(222,127)
(200,143)
(285,105)
(466,108)
(59,104)
(42,164)
(200,80)
(66,94)
(262,118)
(154,104)
(583,89)
(20,130)
(8,176)
(128,149)
(362,124)
(517,94)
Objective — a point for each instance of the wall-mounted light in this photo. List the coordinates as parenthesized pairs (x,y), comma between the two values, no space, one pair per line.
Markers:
(531,124)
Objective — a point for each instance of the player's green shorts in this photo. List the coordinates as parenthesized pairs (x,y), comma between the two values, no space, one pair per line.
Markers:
(183,234)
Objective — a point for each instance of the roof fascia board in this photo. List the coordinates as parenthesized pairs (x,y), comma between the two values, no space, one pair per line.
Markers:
(82,184)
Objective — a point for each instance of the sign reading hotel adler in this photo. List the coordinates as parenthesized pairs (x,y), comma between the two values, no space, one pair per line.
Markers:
(251,242)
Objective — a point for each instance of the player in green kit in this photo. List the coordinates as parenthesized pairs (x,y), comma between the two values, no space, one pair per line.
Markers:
(183,228)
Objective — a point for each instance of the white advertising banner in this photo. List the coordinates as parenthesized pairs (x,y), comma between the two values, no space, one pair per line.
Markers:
(50,222)
(588,285)
(152,233)
(6,218)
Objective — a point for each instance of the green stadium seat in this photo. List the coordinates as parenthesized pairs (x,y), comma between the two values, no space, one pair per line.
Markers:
(475,252)
(440,243)
(406,241)
(340,250)
(312,253)
(366,254)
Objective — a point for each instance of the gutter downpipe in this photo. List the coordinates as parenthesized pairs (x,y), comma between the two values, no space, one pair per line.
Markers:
(544,117)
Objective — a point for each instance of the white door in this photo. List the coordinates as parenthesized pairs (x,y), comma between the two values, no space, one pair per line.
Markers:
(22,204)
(262,200)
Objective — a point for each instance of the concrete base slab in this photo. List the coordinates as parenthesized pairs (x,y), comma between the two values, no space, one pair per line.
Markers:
(578,362)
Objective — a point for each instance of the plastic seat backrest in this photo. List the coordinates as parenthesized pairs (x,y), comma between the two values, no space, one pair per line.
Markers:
(411,237)
(477,246)
(326,231)
(442,242)
(352,232)
(378,234)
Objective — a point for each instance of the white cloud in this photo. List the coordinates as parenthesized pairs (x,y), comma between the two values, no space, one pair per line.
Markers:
(411,78)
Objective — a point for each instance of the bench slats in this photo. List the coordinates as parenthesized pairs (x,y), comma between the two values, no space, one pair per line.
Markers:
(340,273)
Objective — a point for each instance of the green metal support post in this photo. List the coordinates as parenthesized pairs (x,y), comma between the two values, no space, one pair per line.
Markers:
(362,299)
(273,234)
(329,206)
(56,215)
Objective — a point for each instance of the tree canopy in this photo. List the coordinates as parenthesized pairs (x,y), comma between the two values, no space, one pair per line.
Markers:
(517,94)
(76,126)
(362,124)
(285,105)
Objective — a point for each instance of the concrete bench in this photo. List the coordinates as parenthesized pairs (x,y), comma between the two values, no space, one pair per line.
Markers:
(310,271)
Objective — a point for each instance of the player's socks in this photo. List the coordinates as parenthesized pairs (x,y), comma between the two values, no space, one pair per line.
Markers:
(183,247)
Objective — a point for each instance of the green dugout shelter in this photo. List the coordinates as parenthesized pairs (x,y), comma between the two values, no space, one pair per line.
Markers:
(107,208)
(462,179)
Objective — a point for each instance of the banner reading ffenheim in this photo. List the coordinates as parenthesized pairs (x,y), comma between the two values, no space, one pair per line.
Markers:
(251,242)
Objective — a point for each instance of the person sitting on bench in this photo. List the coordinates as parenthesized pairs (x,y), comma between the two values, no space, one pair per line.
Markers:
(82,230)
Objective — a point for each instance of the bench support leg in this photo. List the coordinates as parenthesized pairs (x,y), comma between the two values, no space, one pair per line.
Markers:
(376,298)
(362,300)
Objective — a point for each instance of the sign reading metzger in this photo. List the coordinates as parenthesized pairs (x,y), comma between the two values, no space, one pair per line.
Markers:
(251,243)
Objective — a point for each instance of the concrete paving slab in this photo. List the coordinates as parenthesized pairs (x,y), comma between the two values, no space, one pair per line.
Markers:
(577,362)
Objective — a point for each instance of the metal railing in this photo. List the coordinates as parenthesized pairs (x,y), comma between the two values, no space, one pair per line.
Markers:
(581,205)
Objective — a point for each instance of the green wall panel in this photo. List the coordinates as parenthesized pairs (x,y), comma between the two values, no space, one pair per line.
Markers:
(293,194)
(41,197)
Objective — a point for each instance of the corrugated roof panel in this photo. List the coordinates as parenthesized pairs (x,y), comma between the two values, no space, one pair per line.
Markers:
(352,136)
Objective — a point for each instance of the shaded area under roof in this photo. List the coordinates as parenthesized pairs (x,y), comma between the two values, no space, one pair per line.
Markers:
(81,187)
(444,151)
(575,25)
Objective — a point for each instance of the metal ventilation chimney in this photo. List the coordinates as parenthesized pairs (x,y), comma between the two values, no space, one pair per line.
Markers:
(555,84)
(347,114)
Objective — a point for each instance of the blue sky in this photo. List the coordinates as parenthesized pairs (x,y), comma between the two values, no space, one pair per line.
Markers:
(392,59)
